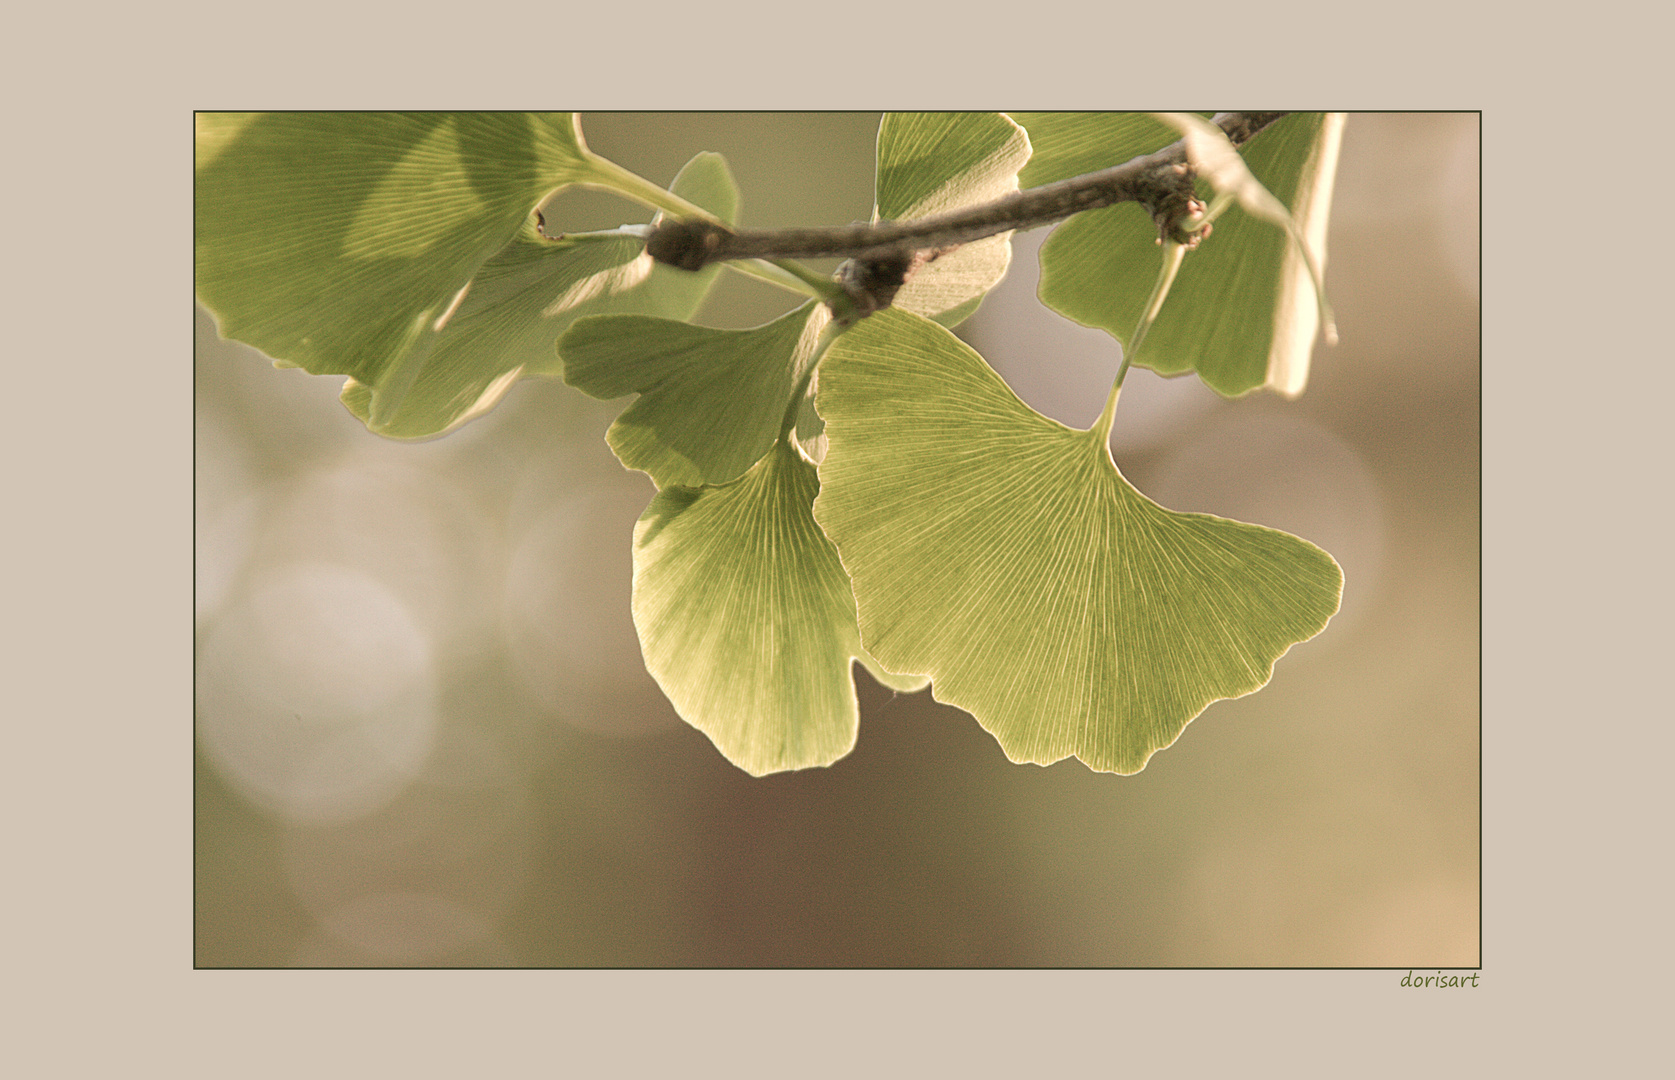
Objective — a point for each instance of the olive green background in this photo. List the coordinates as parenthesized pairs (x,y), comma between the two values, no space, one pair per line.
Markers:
(562,815)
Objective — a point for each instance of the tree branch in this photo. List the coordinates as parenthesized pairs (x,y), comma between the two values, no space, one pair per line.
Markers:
(1161,182)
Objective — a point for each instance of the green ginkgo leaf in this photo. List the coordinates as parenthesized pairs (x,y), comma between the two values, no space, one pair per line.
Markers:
(1242,312)
(932,163)
(1073,144)
(711,401)
(513,310)
(1218,162)
(348,243)
(1005,556)
(746,619)
(522,299)
(332,241)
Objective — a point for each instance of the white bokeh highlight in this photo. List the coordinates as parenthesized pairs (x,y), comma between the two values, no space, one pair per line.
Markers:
(316,693)
(227,505)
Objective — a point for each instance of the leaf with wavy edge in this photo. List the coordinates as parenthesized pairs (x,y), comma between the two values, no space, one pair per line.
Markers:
(1005,556)
(520,301)
(510,314)
(746,619)
(711,401)
(346,243)
(1242,312)
(330,241)
(931,163)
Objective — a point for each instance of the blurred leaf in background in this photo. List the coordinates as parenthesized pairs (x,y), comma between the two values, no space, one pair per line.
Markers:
(1242,311)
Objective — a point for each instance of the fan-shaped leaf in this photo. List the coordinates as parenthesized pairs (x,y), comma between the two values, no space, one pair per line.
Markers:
(931,163)
(522,299)
(330,240)
(1005,556)
(350,243)
(746,618)
(509,315)
(1242,312)
(711,401)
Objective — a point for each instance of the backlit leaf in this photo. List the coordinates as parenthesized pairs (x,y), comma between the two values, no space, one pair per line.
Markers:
(711,401)
(351,243)
(746,619)
(530,292)
(1005,556)
(1242,312)
(932,163)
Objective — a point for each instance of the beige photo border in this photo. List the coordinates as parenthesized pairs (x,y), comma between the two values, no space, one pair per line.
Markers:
(101,545)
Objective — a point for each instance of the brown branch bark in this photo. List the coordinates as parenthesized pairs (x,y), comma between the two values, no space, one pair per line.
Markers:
(1161,182)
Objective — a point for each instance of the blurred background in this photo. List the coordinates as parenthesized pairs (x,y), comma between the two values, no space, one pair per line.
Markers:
(425,735)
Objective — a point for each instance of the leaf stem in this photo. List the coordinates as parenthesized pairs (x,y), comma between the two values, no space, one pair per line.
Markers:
(781,272)
(609,175)
(1173,254)
(811,283)
(828,334)
(638,232)
(1328,321)
(1108,416)
(773,275)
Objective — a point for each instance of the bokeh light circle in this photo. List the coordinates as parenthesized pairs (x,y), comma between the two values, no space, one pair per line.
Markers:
(316,694)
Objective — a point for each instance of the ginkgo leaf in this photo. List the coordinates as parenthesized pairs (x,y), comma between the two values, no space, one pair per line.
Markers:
(510,313)
(667,292)
(1242,312)
(332,240)
(746,619)
(1005,556)
(347,243)
(1215,159)
(520,301)
(932,163)
(711,401)
(1063,145)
